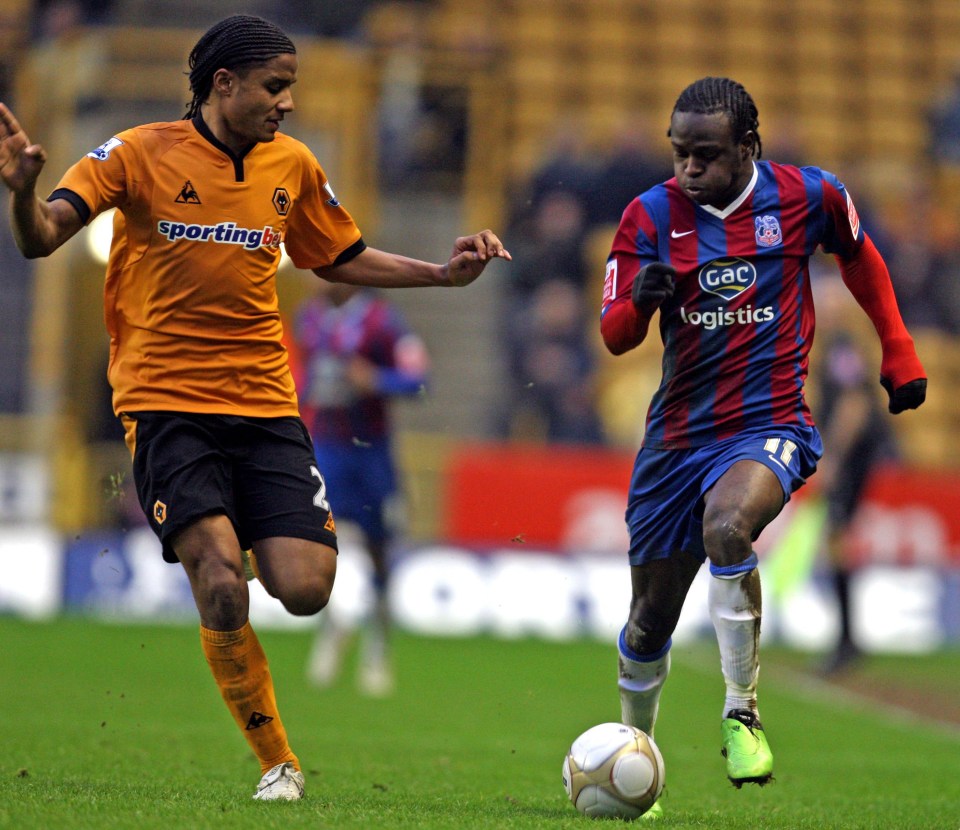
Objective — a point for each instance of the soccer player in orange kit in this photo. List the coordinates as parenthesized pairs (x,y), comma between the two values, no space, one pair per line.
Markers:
(222,461)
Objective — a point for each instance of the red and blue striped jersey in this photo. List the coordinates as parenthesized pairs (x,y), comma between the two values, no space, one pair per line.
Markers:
(328,338)
(738,329)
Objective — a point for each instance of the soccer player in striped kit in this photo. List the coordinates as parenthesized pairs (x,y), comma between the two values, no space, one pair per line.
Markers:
(722,251)
(358,355)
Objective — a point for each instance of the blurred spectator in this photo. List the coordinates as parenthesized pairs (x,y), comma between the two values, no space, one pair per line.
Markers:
(550,362)
(922,249)
(781,143)
(553,369)
(397,32)
(52,18)
(857,437)
(14,31)
(566,169)
(549,245)
(547,330)
(920,242)
(626,170)
(16,300)
(943,124)
(316,17)
(354,355)
(422,125)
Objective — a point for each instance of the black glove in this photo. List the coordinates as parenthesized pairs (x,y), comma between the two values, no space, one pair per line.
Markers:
(908,396)
(653,285)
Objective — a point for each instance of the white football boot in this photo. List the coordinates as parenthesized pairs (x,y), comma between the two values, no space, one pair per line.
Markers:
(282,783)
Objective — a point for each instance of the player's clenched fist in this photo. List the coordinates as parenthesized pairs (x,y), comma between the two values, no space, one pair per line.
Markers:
(653,285)
(908,396)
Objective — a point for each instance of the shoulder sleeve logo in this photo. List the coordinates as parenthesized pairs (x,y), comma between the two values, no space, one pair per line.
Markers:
(610,281)
(102,153)
(852,217)
(332,201)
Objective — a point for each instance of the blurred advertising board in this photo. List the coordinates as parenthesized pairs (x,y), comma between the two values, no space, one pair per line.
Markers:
(454,590)
(24,487)
(573,500)
(534,544)
(564,498)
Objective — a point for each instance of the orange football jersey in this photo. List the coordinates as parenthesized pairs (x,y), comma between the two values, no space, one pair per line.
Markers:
(190,300)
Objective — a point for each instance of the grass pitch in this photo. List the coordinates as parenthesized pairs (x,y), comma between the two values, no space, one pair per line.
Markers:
(110,726)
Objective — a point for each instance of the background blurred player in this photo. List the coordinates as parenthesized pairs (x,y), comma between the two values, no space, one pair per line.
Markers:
(222,461)
(356,352)
(857,438)
(722,250)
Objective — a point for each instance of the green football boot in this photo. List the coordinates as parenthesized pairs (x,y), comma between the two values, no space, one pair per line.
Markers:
(654,813)
(743,744)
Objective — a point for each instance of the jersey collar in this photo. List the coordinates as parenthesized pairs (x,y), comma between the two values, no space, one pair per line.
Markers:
(723,214)
(207,133)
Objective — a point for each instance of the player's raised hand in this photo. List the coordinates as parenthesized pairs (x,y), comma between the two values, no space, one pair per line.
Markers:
(20,161)
(653,285)
(471,255)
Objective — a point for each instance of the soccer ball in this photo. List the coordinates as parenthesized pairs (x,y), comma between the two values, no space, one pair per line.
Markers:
(613,770)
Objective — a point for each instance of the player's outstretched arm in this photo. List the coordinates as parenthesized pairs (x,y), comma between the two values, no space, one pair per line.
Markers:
(382,269)
(901,373)
(39,228)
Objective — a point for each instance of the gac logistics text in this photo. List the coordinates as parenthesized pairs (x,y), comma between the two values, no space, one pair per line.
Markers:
(225,233)
(727,317)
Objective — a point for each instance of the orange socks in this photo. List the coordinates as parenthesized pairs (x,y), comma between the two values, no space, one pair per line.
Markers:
(240,668)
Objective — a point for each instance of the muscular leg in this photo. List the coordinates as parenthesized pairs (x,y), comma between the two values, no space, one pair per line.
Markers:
(740,505)
(659,589)
(210,553)
(745,499)
(298,572)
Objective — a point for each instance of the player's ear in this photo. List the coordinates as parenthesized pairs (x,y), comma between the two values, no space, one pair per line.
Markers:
(224,82)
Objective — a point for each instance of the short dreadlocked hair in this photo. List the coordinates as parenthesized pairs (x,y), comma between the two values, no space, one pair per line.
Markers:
(709,96)
(235,43)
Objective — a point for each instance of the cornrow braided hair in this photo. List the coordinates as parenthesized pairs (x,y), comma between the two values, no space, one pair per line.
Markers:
(709,96)
(234,43)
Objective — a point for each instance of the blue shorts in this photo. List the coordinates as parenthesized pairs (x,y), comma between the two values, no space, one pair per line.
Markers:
(362,484)
(665,505)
